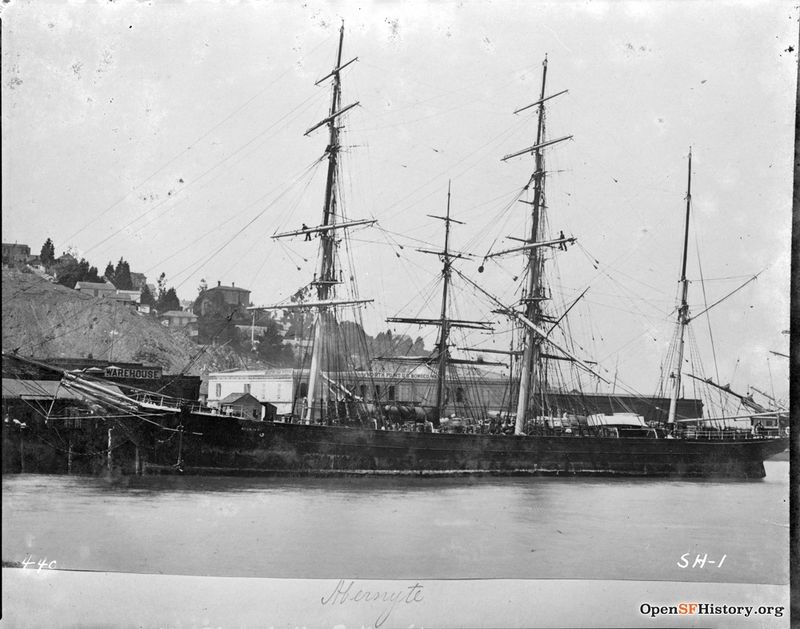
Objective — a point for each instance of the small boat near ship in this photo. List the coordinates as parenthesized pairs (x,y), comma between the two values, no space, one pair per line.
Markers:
(340,423)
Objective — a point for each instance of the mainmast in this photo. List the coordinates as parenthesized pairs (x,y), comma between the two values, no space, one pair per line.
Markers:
(534,293)
(683,306)
(530,356)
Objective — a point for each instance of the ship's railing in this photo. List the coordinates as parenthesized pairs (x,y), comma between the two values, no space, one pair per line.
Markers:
(155,399)
(726,435)
(230,410)
(227,411)
(201,409)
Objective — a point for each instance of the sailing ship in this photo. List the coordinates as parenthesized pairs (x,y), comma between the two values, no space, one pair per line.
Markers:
(340,425)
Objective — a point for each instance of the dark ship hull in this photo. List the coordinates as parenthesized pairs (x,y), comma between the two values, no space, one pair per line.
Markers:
(263,448)
(219,445)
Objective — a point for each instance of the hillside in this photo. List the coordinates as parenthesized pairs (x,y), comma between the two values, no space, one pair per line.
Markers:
(43,320)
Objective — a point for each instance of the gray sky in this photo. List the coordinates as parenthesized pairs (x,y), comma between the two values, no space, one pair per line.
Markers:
(158,132)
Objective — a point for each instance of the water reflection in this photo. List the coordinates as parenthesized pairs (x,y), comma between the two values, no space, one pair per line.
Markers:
(403,527)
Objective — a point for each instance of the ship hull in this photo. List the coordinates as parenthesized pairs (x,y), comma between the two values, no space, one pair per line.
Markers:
(215,446)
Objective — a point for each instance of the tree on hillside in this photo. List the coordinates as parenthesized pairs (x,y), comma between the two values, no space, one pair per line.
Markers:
(217,328)
(90,274)
(418,348)
(388,344)
(70,272)
(296,322)
(109,272)
(147,297)
(270,347)
(48,253)
(168,301)
(122,276)
(162,285)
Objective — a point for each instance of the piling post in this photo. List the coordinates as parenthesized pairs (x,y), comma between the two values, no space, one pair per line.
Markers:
(110,442)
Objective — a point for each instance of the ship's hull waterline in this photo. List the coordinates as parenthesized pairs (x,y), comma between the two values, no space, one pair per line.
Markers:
(266,448)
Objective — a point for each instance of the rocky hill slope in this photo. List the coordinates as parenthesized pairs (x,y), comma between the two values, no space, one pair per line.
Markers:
(47,320)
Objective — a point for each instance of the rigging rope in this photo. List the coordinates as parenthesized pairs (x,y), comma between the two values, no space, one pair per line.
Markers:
(203,136)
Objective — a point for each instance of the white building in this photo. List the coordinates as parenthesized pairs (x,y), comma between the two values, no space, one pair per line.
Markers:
(470,390)
(128,296)
(405,385)
(271,385)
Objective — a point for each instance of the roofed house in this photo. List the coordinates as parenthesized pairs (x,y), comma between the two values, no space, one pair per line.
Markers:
(128,296)
(177,318)
(97,289)
(138,280)
(14,253)
(222,300)
(35,262)
(241,405)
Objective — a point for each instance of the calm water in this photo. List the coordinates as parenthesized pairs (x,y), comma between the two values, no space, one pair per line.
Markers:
(404,528)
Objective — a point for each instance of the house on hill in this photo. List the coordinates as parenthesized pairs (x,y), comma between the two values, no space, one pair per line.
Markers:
(108,290)
(65,258)
(222,300)
(97,289)
(179,319)
(14,253)
(138,280)
(35,262)
(128,296)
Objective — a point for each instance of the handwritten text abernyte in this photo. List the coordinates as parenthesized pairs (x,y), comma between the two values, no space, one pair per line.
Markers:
(347,592)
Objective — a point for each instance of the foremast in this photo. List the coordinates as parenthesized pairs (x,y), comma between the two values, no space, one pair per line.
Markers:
(683,307)
(325,279)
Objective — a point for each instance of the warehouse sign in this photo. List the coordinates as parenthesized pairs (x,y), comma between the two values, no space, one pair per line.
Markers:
(135,373)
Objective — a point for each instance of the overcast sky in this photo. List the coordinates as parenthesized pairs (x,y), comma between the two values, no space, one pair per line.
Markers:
(172,135)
